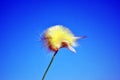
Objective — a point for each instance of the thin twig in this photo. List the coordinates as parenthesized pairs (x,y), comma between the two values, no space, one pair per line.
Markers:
(49,65)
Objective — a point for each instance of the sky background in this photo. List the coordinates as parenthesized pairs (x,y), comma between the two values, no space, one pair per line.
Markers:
(22,56)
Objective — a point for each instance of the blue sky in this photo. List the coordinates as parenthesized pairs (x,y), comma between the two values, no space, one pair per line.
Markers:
(22,56)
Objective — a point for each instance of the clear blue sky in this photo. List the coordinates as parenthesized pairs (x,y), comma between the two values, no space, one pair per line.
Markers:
(22,57)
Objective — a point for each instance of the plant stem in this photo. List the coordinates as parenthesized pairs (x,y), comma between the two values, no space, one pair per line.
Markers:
(49,65)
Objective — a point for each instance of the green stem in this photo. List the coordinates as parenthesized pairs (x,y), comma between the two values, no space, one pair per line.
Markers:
(49,65)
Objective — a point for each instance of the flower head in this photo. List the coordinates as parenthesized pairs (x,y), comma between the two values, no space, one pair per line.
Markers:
(58,36)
